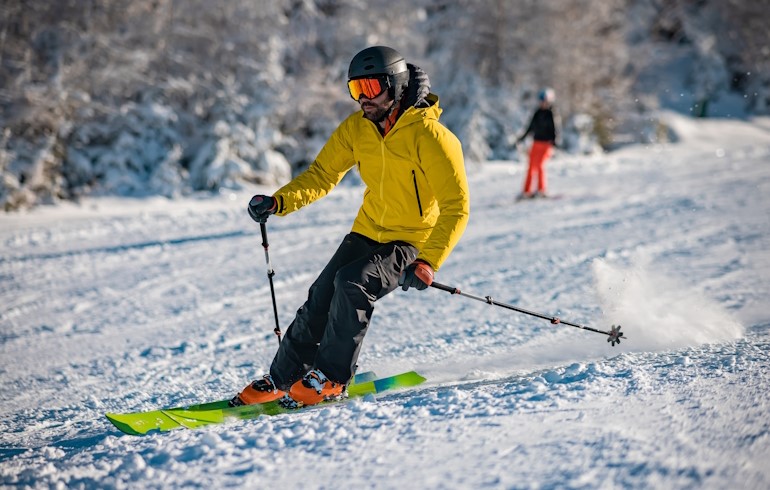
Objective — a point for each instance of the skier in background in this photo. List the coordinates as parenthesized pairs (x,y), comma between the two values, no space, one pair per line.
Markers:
(543,131)
(415,208)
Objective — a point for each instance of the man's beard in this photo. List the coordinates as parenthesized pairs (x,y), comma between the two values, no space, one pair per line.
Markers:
(378,115)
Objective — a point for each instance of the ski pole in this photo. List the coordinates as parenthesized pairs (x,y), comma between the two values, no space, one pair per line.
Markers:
(270,274)
(613,335)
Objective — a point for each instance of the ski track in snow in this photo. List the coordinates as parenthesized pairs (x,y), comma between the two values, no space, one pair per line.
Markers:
(124,305)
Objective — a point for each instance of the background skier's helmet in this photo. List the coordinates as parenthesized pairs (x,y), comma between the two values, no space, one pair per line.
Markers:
(546,95)
(384,62)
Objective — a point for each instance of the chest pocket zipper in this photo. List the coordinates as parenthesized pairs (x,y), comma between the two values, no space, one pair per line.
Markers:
(417,192)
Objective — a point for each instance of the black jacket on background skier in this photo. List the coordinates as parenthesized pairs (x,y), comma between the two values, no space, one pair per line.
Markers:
(541,126)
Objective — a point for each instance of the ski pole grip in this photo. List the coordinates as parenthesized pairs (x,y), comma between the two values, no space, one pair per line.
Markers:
(443,287)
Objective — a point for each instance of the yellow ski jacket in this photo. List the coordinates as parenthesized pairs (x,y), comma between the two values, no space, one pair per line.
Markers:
(416,187)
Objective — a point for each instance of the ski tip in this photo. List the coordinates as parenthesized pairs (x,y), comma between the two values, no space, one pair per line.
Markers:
(417,377)
(120,425)
(403,380)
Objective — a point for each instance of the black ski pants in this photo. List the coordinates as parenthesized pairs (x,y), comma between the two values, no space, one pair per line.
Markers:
(329,328)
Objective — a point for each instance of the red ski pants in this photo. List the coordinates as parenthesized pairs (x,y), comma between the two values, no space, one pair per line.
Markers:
(538,155)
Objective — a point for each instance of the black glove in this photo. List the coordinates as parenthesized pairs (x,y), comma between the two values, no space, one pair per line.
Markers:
(261,207)
(418,274)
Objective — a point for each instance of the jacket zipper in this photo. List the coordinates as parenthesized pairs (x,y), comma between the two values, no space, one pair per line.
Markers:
(382,189)
(417,192)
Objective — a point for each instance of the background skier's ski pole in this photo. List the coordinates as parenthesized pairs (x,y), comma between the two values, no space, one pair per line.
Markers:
(613,335)
(270,274)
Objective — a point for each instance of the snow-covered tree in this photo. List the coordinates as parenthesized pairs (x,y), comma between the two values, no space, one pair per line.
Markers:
(177,96)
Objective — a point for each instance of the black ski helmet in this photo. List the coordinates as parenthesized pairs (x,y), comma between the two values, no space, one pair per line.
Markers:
(381,60)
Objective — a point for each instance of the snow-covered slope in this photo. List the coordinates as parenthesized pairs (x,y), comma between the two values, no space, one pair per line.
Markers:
(117,305)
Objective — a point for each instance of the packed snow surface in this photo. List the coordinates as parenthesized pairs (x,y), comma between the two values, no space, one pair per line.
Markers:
(117,305)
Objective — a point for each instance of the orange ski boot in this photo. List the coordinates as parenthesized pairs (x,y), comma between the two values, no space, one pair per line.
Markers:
(259,391)
(315,388)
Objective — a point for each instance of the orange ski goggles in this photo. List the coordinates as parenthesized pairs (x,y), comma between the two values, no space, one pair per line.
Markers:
(368,87)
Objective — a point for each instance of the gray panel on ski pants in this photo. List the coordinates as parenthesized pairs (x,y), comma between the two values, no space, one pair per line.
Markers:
(329,328)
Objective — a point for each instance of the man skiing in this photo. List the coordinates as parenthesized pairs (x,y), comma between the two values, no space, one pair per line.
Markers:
(415,209)
(543,131)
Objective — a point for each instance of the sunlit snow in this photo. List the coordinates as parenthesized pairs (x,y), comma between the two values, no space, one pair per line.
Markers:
(120,304)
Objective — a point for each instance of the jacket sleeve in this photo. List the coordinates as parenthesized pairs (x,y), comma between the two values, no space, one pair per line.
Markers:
(332,163)
(529,129)
(441,158)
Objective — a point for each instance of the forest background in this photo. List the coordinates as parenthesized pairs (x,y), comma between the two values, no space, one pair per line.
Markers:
(174,97)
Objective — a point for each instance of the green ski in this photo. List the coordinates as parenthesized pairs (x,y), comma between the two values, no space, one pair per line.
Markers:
(218,412)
